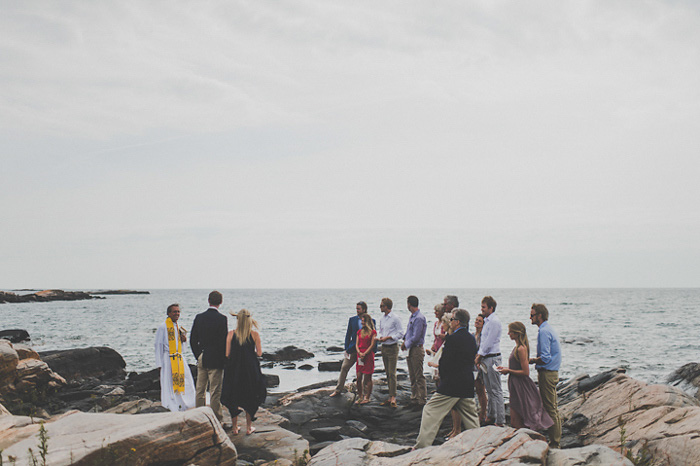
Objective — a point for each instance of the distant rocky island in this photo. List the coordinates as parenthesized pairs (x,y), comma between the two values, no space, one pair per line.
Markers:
(60,295)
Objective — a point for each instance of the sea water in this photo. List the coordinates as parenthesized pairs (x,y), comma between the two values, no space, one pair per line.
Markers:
(650,332)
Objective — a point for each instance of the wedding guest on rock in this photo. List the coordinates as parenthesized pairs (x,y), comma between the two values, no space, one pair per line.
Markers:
(350,355)
(490,354)
(450,303)
(438,332)
(244,383)
(547,363)
(208,342)
(526,408)
(479,387)
(390,332)
(456,387)
(413,341)
(434,361)
(177,392)
(366,339)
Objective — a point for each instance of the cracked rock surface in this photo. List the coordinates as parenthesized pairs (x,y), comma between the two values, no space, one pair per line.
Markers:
(660,420)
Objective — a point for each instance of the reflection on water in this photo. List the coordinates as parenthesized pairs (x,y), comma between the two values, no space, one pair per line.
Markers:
(649,331)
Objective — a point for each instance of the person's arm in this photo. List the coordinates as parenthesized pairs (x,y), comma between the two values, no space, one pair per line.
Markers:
(229,337)
(409,337)
(348,335)
(545,348)
(521,354)
(160,333)
(258,343)
(396,329)
(194,340)
(372,342)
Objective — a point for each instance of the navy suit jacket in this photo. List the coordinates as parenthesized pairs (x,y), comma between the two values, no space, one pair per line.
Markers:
(208,337)
(354,324)
(456,364)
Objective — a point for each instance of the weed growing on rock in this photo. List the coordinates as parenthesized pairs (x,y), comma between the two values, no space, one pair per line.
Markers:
(643,456)
(302,460)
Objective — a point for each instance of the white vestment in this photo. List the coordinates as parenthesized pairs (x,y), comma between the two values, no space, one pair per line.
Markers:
(168,398)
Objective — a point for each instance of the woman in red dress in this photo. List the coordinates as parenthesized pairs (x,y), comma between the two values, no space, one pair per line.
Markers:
(366,337)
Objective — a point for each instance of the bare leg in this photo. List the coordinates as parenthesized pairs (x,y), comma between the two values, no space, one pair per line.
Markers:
(483,402)
(368,386)
(249,424)
(515,420)
(456,424)
(234,423)
(360,383)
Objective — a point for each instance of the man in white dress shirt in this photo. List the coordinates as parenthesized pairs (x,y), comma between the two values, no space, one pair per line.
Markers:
(490,354)
(172,399)
(390,332)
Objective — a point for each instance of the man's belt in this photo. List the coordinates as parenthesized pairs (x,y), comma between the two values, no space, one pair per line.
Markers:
(492,355)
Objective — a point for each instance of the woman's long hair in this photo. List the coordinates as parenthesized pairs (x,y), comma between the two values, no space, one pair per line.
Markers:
(518,328)
(370,325)
(246,324)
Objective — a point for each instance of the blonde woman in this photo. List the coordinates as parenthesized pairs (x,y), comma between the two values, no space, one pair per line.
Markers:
(526,408)
(244,385)
(366,338)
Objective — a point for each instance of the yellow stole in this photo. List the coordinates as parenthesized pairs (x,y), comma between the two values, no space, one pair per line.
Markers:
(175,350)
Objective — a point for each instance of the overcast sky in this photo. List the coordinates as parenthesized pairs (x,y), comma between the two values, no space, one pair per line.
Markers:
(318,144)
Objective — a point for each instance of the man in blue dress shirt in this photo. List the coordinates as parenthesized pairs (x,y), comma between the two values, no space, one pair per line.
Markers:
(413,342)
(350,355)
(547,363)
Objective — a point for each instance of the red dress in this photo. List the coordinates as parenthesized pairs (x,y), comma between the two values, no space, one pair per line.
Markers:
(363,343)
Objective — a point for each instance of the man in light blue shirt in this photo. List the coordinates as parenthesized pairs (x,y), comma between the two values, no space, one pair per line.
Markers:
(547,363)
(390,332)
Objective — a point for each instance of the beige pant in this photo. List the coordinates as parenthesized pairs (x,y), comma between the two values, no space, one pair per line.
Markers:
(214,379)
(419,389)
(390,355)
(435,411)
(344,369)
(547,381)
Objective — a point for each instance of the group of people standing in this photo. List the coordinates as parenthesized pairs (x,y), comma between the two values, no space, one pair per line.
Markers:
(465,365)
(227,363)
(362,340)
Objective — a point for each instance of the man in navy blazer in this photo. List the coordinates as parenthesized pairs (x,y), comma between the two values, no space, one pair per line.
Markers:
(350,355)
(456,388)
(208,342)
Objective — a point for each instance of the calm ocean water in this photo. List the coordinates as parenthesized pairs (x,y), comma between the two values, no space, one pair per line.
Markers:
(651,332)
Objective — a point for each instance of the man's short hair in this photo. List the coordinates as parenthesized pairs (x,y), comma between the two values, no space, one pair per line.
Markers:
(541,310)
(171,307)
(387,303)
(215,298)
(413,301)
(452,300)
(462,316)
(363,305)
(490,302)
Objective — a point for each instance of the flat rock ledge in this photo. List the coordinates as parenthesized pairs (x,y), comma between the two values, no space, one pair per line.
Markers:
(658,422)
(82,439)
(484,446)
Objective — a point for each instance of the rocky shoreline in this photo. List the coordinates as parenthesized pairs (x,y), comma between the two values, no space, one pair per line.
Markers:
(95,413)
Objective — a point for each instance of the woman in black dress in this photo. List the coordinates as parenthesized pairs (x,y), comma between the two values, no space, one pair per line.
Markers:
(244,385)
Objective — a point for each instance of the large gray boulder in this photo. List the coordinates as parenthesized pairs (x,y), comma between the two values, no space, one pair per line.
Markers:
(656,421)
(82,439)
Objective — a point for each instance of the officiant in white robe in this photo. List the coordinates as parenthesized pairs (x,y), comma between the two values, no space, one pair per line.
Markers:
(175,394)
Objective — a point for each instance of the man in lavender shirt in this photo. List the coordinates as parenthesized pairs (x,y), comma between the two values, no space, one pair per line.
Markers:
(413,341)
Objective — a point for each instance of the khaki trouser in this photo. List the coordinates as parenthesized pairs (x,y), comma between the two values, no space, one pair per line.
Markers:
(435,411)
(214,379)
(344,369)
(419,389)
(547,381)
(390,355)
